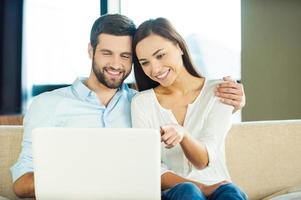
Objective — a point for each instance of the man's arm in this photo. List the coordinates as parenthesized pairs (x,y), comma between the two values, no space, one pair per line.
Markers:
(38,115)
(231,93)
(24,186)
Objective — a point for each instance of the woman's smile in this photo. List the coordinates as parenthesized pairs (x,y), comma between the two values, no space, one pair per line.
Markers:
(163,75)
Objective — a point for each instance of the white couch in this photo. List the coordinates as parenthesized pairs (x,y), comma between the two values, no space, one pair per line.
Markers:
(262,157)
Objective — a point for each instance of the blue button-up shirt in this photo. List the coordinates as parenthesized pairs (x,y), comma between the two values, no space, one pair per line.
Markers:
(73,106)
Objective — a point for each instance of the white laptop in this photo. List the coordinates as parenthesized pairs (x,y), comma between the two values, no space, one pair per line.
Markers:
(96,163)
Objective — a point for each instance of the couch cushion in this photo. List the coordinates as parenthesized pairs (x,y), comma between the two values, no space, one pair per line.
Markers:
(291,193)
(10,143)
(264,157)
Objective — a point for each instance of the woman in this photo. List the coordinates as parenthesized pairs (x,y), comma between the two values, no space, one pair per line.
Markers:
(192,121)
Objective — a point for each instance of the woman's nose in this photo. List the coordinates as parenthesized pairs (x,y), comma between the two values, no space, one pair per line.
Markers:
(156,67)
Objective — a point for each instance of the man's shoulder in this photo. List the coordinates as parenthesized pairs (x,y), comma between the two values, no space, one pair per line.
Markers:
(44,105)
(132,92)
(128,92)
(53,95)
(49,100)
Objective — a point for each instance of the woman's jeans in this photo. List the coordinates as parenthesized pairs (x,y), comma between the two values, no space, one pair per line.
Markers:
(187,191)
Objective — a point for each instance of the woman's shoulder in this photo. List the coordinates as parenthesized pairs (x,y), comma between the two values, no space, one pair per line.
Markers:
(210,84)
(210,87)
(143,96)
(213,82)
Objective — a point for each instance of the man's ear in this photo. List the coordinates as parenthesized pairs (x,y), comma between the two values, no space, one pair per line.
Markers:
(90,51)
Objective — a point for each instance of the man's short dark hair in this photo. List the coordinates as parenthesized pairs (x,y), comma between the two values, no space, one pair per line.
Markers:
(114,24)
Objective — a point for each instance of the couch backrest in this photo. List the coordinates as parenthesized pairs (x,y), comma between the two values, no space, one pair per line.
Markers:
(264,157)
(10,146)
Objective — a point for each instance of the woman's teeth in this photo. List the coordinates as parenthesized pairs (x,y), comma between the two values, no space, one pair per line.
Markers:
(162,76)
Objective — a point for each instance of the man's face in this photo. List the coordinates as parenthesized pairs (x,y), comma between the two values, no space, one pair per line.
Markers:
(112,60)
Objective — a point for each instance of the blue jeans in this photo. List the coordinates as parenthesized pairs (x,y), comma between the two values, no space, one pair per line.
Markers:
(189,191)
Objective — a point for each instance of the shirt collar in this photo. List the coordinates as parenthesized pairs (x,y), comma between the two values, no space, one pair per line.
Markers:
(84,93)
(80,89)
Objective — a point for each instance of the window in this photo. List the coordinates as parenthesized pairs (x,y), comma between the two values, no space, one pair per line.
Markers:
(212,30)
(56,35)
(55,41)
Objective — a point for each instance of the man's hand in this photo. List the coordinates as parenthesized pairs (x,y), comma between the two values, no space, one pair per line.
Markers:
(24,186)
(172,135)
(231,93)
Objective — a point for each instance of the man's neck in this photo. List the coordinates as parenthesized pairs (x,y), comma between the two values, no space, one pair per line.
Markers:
(103,93)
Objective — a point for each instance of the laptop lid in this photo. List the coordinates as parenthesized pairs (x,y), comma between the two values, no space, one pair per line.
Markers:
(96,163)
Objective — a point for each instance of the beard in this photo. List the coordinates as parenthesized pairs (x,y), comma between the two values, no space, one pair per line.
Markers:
(111,83)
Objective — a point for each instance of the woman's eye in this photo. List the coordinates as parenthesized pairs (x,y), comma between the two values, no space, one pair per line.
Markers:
(160,56)
(144,63)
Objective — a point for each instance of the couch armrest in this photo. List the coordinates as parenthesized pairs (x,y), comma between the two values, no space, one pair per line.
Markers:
(10,143)
(264,157)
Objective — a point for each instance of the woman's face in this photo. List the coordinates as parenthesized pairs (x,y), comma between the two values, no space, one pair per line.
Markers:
(161,59)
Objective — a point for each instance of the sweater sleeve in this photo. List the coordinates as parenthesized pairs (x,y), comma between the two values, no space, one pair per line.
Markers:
(141,119)
(216,127)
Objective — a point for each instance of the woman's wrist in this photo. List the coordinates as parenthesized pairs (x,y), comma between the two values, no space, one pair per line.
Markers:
(185,136)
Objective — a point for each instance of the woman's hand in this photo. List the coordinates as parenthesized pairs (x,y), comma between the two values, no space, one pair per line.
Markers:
(172,134)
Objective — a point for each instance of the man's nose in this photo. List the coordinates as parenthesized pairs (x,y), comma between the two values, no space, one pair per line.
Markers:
(116,62)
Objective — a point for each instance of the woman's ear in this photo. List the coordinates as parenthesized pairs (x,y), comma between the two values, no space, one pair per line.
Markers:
(90,51)
(178,46)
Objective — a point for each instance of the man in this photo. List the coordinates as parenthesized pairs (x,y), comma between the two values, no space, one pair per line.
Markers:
(101,100)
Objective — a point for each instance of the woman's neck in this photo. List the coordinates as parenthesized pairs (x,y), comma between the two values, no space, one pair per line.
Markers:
(183,84)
